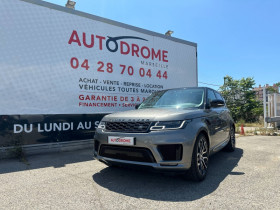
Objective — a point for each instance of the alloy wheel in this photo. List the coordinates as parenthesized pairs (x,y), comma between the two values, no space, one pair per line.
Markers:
(202,156)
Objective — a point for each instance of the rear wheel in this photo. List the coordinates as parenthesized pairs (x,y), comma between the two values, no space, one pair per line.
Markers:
(231,144)
(200,159)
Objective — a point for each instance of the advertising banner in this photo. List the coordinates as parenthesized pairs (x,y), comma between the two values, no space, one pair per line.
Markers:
(54,62)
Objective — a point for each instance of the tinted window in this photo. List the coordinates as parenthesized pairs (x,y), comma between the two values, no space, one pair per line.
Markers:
(210,95)
(218,95)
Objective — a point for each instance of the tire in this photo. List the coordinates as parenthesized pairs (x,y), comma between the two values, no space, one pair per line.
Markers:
(230,147)
(200,159)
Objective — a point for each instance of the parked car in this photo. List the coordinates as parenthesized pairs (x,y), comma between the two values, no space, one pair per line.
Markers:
(172,130)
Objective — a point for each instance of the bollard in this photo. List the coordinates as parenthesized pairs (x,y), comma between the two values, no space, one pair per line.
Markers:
(242,130)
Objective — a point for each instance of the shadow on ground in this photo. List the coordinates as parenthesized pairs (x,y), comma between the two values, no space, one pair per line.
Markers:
(55,160)
(156,186)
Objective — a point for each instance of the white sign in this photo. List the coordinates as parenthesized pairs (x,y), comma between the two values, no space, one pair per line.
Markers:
(54,62)
(121,140)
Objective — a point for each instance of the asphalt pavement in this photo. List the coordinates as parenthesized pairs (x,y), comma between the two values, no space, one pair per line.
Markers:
(246,179)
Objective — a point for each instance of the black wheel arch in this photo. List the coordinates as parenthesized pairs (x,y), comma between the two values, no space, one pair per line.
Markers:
(205,132)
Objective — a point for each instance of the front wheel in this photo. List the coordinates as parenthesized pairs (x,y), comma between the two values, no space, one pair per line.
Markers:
(200,158)
(231,144)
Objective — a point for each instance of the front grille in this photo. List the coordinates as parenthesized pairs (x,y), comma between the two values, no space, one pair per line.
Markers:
(128,127)
(127,153)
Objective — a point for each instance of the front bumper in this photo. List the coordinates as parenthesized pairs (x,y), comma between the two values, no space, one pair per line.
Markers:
(152,141)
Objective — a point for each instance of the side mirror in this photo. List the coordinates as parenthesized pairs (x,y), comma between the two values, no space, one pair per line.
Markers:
(217,103)
(137,106)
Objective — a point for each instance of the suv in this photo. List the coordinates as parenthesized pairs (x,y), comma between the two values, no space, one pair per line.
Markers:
(172,130)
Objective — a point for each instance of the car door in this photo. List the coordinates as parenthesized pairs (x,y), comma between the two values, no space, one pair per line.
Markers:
(223,116)
(216,115)
(213,119)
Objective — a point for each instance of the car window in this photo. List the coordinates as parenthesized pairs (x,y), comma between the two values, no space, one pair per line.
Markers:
(218,95)
(176,98)
(210,95)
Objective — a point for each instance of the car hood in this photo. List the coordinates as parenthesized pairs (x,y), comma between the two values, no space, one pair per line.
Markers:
(155,114)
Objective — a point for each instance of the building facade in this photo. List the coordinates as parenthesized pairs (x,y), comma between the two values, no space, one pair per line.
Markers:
(269,89)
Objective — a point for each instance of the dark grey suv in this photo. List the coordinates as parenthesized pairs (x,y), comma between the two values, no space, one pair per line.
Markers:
(172,130)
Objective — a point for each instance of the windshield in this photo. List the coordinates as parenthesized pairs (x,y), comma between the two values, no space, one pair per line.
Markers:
(175,98)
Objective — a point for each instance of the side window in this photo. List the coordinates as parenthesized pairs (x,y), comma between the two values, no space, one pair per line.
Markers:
(218,95)
(210,95)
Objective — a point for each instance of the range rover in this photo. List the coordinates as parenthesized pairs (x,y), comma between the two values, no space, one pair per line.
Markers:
(172,130)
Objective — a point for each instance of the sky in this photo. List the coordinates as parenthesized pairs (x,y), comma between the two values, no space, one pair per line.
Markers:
(239,38)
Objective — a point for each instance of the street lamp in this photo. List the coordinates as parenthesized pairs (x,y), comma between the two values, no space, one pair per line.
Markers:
(70,4)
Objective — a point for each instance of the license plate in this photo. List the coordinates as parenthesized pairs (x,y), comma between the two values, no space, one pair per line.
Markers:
(121,140)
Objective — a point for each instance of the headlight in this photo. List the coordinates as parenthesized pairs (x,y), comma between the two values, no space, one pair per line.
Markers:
(101,125)
(169,125)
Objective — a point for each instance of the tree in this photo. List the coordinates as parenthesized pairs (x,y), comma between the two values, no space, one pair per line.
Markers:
(241,99)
